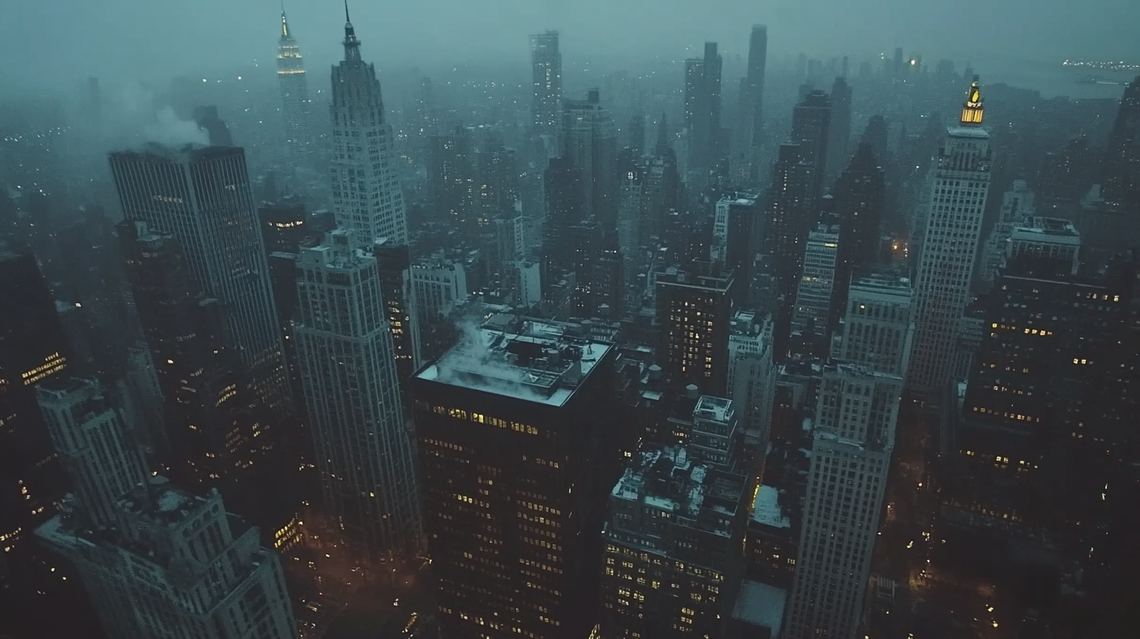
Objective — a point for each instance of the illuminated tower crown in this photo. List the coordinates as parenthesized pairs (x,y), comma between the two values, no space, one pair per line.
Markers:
(972,110)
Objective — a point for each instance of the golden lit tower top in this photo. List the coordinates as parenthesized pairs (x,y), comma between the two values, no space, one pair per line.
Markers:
(972,110)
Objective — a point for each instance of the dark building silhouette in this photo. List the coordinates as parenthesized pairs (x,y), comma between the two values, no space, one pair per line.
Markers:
(637,135)
(591,144)
(753,118)
(207,119)
(790,215)
(860,200)
(285,226)
(838,130)
(498,179)
(811,121)
(1121,170)
(517,455)
(877,135)
(702,108)
(546,77)
(451,177)
(564,210)
(694,312)
(736,236)
(1065,176)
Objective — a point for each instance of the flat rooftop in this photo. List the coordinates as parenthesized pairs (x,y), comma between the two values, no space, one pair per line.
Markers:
(967,132)
(766,509)
(539,363)
(716,409)
(1051,226)
(761,605)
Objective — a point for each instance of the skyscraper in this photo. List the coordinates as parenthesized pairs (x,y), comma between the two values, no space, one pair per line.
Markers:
(702,108)
(366,188)
(591,144)
(878,326)
(838,130)
(517,453)
(1121,177)
(791,211)
(850,456)
(815,291)
(294,86)
(156,561)
(695,313)
(860,200)
(957,200)
(364,449)
(202,197)
(753,118)
(546,77)
(811,129)
(736,236)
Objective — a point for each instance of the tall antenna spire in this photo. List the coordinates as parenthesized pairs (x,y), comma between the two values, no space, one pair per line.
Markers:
(284,22)
(351,44)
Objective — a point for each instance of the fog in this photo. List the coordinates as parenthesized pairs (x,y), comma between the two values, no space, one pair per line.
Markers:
(54,43)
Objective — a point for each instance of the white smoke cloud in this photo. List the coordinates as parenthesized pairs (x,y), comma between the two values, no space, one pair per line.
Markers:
(168,129)
(474,364)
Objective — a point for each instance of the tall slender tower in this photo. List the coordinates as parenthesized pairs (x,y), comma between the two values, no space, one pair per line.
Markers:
(1121,176)
(294,85)
(363,448)
(959,188)
(702,108)
(202,197)
(753,120)
(366,189)
(546,75)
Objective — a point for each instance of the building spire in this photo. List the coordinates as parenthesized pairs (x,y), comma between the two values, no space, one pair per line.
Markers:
(972,111)
(284,22)
(351,44)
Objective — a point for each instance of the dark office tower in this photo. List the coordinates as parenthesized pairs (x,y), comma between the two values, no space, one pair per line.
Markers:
(546,78)
(753,120)
(395,263)
(702,109)
(517,453)
(736,237)
(294,86)
(674,534)
(838,130)
(450,177)
(790,215)
(877,134)
(899,66)
(637,135)
(959,188)
(364,450)
(564,205)
(591,144)
(1121,181)
(1065,176)
(811,120)
(207,119)
(366,188)
(156,562)
(210,429)
(816,290)
(860,200)
(284,226)
(497,169)
(694,311)
(33,351)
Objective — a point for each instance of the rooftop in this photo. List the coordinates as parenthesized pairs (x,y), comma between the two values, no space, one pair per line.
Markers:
(964,132)
(539,363)
(1056,228)
(714,409)
(766,509)
(761,605)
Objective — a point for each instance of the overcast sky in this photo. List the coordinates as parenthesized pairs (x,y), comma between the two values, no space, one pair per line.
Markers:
(56,42)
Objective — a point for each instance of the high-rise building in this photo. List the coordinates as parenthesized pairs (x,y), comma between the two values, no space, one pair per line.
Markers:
(591,144)
(790,215)
(838,130)
(811,129)
(702,109)
(850,456)
(1121,170)
(364,448)
(284,226)
(674,536)
(1046,239)
(294,86)
(156,561)
(517,454)
(694,311)
(752,373)
(1016,205)
(546,78)
(860,200)
(201,196)
(451,177)
(753,118)
(213,437)
(957,200)
(33,351)
(878,325)
(736,236)
(815,291)
(563,197)
(366,188)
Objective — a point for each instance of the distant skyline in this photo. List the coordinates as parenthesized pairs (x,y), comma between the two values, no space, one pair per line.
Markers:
(53,43)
